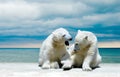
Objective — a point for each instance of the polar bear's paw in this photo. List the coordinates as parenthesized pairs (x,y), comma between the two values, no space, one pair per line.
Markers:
(86,68)
(45,66)
(54,65)
(67,65)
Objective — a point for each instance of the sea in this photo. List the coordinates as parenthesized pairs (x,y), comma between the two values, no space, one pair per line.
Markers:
(31,55)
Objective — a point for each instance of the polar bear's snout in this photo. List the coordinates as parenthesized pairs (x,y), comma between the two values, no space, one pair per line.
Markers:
(67,39)
(76,47)
(70,39)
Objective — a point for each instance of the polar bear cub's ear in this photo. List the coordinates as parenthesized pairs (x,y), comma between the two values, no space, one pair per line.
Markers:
(54,36)
(53,33)
(86,37)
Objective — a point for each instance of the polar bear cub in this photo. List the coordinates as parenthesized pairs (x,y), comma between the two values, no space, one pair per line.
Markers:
(84,52)
(53,49)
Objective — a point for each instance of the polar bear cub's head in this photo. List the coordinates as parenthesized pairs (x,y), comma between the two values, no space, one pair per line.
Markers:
(81,40)
(61,35)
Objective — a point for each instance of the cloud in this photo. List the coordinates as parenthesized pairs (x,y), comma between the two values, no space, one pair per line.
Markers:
(26,10)
(32,18)
(108,19)
(13,11)
(51,12)
(102,3)
(41,17)
(107,35)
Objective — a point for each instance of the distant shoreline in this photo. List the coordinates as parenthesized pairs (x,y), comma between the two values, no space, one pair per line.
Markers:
(109,44)
(38,45)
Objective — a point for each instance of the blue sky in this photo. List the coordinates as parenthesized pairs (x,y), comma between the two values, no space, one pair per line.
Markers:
(31,21)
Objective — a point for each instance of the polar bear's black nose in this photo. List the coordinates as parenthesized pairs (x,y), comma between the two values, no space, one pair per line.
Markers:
(70,39)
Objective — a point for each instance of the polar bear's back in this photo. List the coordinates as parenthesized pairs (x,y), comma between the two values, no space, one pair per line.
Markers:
(44,47)
(46,42)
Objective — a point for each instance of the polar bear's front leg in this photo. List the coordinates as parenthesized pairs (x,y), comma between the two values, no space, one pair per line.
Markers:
(86,63)
(40,62)
(54,65)
(67,64)
(89,58)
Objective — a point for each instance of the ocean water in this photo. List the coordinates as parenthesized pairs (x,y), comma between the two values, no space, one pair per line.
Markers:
(19,54)
(30,55)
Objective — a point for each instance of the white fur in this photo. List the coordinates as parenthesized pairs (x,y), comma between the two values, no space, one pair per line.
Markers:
(84,52)
(53,49)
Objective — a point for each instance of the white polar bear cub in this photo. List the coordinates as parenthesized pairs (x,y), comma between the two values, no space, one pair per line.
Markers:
(84,52)
(53,49)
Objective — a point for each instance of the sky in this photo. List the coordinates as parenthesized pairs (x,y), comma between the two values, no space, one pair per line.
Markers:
(31,21)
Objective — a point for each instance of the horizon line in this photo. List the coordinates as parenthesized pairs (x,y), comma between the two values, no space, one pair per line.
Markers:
(115,44)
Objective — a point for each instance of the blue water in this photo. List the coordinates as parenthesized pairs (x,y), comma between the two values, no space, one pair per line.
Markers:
(110,55)
(19,54)
(30,55)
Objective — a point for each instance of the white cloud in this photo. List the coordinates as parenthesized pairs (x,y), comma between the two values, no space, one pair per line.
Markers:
(26,10)
(107,35)
(32,17)
(37,27)
(23,12)
(65,9)
(101,2)
(13,11)
(108,19)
